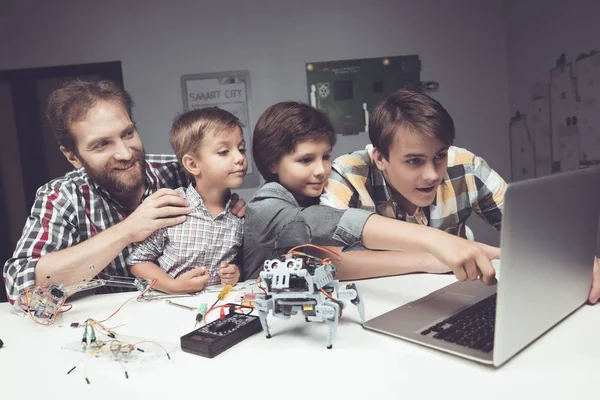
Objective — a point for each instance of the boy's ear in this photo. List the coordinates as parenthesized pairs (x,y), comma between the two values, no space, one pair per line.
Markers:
(71,157)
(190,164)
(273,169)
(379,159)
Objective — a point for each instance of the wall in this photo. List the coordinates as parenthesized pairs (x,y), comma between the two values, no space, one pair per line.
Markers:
(538,32)
(461,44)
(10,167)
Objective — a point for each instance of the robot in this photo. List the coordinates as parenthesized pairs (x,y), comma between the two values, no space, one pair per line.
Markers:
(43,303)
(301,283)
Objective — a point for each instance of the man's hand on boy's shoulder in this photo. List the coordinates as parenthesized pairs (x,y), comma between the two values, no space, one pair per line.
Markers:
(229,273)
(238,206)
(161,209)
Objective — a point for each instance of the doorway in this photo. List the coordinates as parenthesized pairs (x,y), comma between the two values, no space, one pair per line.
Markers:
(29,154)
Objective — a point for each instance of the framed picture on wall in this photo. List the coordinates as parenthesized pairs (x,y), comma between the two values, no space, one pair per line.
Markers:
(229,91)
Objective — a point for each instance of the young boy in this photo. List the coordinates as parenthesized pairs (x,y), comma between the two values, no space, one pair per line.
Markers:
(412,172)
(292,147)
(202,250)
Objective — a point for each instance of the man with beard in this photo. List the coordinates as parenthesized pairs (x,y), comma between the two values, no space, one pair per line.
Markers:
(85,222)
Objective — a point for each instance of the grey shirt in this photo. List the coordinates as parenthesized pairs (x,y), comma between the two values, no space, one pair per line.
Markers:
(276,222)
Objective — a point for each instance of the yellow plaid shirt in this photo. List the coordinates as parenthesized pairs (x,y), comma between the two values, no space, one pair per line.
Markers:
(469,185)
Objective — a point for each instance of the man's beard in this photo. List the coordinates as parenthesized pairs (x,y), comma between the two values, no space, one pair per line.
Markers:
(115,182)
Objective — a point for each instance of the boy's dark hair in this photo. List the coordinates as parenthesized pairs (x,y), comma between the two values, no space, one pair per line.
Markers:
(281,127)
(190,128)
(72,102)
(414,111)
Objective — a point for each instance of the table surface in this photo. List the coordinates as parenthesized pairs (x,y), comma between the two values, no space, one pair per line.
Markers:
(294,363)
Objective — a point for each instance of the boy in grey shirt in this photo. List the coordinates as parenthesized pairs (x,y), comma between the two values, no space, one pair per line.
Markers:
(292,147)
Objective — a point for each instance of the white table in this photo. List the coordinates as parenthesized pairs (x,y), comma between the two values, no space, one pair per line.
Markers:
(294,363)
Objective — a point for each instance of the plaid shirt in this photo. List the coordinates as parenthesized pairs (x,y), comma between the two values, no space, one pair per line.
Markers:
(201,241)
(71,209)
(469,185)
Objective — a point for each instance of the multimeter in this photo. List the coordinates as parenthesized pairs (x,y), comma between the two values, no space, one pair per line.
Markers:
(219,335)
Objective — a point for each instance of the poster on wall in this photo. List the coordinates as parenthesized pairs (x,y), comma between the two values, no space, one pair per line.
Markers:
(564,119)
(348,90)
(229,91)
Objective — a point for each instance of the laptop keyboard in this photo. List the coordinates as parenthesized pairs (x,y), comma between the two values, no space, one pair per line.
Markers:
(472,327)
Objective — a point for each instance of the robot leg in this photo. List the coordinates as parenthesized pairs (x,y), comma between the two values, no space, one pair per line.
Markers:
(329,311)
(263,304)
(350,292)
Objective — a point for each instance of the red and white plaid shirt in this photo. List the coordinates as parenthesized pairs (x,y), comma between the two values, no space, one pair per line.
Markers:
(71,209)
(200,241)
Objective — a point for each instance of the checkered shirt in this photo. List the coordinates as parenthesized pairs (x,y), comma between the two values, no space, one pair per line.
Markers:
(469,185)
(71,209)
(201,241)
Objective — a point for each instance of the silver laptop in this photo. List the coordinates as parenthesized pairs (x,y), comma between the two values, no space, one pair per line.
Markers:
(548,242)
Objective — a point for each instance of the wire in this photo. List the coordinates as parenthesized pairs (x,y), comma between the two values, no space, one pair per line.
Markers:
(68,309)
(101,327)
(86,360)
(238,307)
(128,300)
(339,302)
(328,295)
(258,285)
(338,257)
(135,345)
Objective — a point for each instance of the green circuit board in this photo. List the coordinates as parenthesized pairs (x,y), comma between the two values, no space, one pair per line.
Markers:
(348,90)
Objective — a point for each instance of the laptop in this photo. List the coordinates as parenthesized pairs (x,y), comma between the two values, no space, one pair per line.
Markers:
(548,242)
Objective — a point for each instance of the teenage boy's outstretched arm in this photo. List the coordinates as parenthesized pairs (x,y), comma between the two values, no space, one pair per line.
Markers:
(467,259)
(363,264)
(273,210)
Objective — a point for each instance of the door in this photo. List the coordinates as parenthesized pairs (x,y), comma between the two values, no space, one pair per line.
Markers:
(29,155)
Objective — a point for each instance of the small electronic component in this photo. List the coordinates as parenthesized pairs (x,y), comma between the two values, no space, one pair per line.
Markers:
(200,313)
(248,299)
(217,336)
(45,304)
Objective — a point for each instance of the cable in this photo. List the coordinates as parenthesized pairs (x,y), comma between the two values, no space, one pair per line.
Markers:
(338,257)
(238,307)
(131,298)
(150,341)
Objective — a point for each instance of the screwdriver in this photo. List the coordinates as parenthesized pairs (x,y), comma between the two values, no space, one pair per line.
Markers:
(222,295)
(202,310)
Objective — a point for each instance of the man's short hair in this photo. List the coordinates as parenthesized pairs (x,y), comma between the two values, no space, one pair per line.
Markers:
(413,111)
(281,127)
(72,102)
(191,127)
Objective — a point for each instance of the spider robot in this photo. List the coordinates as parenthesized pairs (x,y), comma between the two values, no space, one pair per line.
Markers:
(302,283)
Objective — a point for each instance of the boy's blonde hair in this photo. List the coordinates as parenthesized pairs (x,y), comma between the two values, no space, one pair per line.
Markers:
(190,128)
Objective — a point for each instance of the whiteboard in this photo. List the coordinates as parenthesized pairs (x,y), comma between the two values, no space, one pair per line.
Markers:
(229,91)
